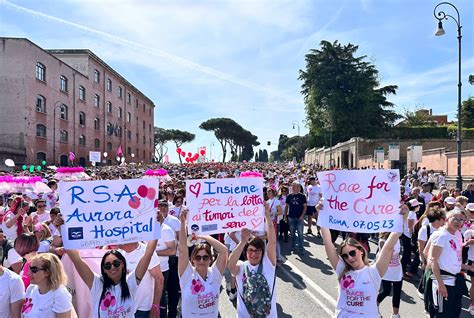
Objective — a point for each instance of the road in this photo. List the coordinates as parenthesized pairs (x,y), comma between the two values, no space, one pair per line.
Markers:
(307,287)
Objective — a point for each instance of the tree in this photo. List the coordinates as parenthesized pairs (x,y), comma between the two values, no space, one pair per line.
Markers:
(161,137)
(417,118)
(180,137)
(467,113)
(342,94)
(265,155)
(256,157)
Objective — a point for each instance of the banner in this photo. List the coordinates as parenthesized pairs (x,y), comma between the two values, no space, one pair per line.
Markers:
(416,154)
(361,201)
(108,212)
(94,156)
(393,152)
(225,205)
(379,155)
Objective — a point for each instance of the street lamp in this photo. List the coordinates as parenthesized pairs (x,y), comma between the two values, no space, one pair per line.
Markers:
(56,106)
(441,15)
(296,124)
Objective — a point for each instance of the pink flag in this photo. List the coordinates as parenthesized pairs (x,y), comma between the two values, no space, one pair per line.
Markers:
(119,151)
(72,156)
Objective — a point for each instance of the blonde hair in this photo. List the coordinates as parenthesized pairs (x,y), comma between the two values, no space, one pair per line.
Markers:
(45,231)
(51,263)
(354,243)
(462,200)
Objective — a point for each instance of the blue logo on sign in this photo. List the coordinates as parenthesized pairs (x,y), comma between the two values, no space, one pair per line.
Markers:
(75,233)
(195,227)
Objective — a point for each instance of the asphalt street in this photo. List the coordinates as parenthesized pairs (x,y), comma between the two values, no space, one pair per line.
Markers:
(307,287)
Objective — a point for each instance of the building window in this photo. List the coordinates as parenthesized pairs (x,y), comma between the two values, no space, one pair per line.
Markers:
(120,92)
(149,111)
(119,131)
(129,98)
(96,123)
(149,128)
(109,107)
(143,124)
(144,155)
(82,93)
(40,72)
(40,104)
(96,76)
(109,146)
(136,103)
(143,139)
(63,112)
(137,139)
(129,117)
(82,140)
(96,100)
(129,135)
(40,157)
(63,136)
(82,118)
(40,130)
(109,128)
(151,143)
(137,122)
(63,83)
(97,143)
(144,107)
(120,112)
(109,84)
(129,151)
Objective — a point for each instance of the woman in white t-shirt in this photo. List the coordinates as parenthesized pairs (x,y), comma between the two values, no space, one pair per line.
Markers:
(47,295)
(177,207)
(113,292)
(12,293)
(358,281)
(445,260)
(409,221)
(260,259)
(200,283)
(12,223)
(393,278)
(276,214)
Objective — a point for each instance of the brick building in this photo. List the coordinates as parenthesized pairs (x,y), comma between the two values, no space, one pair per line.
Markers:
(58,101)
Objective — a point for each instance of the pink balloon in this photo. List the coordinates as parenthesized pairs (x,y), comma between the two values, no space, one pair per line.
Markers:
(134,203)
(151,193)
(142,191)
(203,152)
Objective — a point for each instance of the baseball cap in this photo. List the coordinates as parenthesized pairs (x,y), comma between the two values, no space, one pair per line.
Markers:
(450,200)
(414,203)
(470,207)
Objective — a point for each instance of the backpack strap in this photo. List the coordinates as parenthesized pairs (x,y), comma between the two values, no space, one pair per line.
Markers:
(428,232)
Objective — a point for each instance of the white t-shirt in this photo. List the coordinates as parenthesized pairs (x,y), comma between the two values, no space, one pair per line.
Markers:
(167,235)
(441,180)
(313,194)
(200,298)
(411,216)
(467,236)
(54,230)
(46,305)
(451,256)
(10,233)
(273,204)
(423,232)
(394,272)
(12,290)
(112,304)
(145,291)
(176,211)
(229,242)
(427,196)
(44,246)
(40,218)
(268,270)
(358,291)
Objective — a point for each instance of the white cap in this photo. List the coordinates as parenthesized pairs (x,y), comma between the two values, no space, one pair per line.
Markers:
(470,207)
(414,203)
(450,200)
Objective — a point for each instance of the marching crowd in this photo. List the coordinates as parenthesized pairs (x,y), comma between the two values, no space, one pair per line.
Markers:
(182,275)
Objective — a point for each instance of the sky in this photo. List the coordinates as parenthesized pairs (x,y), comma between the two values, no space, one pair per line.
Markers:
(241,58)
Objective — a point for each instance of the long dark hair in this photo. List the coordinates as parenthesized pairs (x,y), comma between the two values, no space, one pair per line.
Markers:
(108,282)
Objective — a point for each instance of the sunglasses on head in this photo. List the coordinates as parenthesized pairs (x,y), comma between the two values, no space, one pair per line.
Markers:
(116,263)
(351,254)
(203,258)
(36,269)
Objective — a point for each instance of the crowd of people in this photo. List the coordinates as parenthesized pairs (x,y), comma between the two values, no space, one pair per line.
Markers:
(182,274)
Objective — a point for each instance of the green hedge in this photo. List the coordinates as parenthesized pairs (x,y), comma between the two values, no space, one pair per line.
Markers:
(467,133)
(416,133)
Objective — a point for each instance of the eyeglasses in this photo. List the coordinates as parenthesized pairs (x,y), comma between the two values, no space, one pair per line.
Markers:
(254,251)
(41,206)
(203,258)
(116,264)
(36,269)
(461,220)
(351,254)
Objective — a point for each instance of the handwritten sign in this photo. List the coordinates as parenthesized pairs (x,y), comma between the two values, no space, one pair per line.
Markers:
(108,212)
(225,205)
(361,201)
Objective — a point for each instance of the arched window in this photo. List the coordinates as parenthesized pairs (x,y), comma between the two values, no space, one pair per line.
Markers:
(63,83)
(97,123)
(120,112)
(40,157)
(82,93)
(109,107)
(96,76)
(97,143)
(63,112)
(82,118)
(96,100)
(40,72)
(109,84)
(63,136)
(82,140)
(109,146)
(41,130)
(119,131)
(40,104)
(109,129)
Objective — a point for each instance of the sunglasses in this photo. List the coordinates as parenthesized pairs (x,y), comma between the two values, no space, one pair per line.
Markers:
(200,258)
(252,251)
(351,254)
(116,264)
(461,220)
(36,269)
(41,206)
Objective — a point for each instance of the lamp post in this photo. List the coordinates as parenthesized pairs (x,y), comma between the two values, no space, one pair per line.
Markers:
(441,15)
(295,123)
(56,106)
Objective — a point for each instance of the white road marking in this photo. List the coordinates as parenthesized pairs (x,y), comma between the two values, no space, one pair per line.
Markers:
(315,286)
